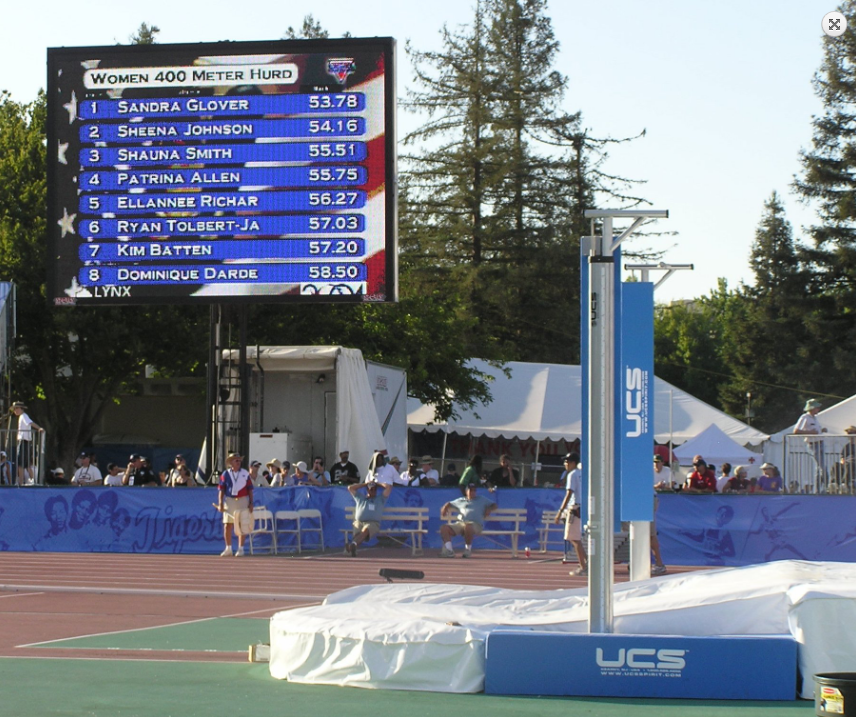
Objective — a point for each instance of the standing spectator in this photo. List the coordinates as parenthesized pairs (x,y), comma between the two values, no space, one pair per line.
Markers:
(739,483)
(259,481)
(662,474)
(662,481)
(471,474)
(113,477)
(344,471)
(702,478)
(138,473)
(5,470)
(505,475)
(472,511)
(235,496)
(770,481)
(573,521)
(283,476)
(847,464)
(87,473)
(809,426)
(185,478)
(301,477)
(58,475)
(175,471)
(26,426)
(318,476)
(431,474)
(368,513)
(723,477)
(386,473)
(274,468)
(451,477)
(412,476)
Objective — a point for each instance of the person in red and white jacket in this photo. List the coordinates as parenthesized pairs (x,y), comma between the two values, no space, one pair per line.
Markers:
(235,497)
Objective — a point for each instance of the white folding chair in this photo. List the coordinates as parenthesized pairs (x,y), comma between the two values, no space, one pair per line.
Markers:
(263,525)
(282,519)
(311,514)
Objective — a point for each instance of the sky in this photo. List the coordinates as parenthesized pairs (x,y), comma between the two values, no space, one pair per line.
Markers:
(722,90)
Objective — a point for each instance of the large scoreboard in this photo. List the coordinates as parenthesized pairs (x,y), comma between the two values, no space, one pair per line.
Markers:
(222,172)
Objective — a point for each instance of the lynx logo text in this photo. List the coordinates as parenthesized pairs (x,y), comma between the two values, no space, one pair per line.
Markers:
(642,662)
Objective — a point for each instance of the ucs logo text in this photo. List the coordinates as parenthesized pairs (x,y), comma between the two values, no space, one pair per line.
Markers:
(633,400)
(636,658)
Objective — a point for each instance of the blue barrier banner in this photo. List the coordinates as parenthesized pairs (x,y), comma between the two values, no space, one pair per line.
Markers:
(635,389)
(693,529)
(603,665)
(167,520)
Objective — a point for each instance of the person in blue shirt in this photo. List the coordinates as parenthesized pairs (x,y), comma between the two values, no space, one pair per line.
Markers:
(472,511)
(368,513)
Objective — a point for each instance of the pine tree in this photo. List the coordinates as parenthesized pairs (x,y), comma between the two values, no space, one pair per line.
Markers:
(828,184)
(500,181)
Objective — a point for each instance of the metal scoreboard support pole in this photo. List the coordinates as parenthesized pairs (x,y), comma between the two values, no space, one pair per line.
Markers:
(601,407)
(640,530)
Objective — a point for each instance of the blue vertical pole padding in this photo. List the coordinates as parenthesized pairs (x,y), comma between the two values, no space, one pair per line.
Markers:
(585,320)
(635,420)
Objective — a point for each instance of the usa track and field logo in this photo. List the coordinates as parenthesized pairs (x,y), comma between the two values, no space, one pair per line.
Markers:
(341,68)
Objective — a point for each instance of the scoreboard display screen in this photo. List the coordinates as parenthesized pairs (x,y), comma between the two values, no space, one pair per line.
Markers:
(208,173)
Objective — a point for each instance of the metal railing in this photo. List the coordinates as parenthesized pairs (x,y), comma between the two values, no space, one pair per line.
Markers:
(30,455)
(820,465)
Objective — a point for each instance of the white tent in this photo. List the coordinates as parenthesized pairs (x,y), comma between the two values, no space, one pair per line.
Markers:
(543,402)
(716,448)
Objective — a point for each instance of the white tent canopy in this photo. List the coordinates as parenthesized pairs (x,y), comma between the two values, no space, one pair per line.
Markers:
(543,402)
(716,448)
(834,419)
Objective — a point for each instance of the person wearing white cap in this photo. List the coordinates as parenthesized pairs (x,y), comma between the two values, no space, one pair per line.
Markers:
(809,426)
(26,426)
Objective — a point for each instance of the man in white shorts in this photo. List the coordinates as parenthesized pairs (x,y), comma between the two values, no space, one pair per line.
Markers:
(573,521)
(236,496)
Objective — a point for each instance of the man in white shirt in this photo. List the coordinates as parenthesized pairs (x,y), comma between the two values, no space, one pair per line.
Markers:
(809,426)
(573,478)
(662,481)
(389,473)
(26,426)
(87,474)
(114,475)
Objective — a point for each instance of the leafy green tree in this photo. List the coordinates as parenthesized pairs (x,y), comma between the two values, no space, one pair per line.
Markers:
(145,35)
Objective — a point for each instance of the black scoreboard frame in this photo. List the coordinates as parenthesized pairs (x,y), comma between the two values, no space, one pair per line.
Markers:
(321,67)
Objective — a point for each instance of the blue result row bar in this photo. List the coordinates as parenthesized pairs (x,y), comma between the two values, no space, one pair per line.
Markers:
(223,273)
(116,253)
(224,154)
(179,178)
(239,128)
(289,104)
(272,226)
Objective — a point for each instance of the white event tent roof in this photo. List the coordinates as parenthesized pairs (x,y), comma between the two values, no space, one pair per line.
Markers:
(543,402)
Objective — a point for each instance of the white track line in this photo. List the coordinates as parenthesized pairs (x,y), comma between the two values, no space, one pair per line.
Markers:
(17,594)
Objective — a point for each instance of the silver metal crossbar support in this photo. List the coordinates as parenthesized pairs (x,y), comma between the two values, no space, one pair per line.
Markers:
(601,417)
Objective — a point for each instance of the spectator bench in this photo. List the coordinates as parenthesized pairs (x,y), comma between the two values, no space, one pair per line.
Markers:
(401,524)
(502,521)
(550,531)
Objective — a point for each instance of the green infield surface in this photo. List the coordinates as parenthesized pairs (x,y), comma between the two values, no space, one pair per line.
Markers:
(128,688)
(222,634)
(96,687)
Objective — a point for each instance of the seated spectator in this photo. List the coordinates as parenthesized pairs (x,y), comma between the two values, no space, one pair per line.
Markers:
(283,477)
(847,471)
(318,476)
(259,481)
(58,476)
(87,473)
(770,481)
(368,513)
(505,476)
(301,476)
(472,510)
(114,475)
(702,479)
(345,472)
(723,477)
(138,473)
(739,483)
(451,477)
